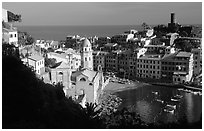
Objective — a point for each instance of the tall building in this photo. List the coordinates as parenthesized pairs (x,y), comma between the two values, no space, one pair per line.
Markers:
(177,67)
(149,66)
(86,55)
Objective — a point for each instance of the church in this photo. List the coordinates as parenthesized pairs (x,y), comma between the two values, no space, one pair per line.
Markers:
(83,84)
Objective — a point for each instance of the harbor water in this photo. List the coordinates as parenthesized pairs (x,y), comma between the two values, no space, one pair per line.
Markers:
(151,101)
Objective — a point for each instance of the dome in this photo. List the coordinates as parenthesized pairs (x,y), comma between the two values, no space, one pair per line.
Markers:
(86,43)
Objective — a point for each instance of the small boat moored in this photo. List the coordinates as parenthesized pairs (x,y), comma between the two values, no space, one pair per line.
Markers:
(169,110)
(155,92)
(174,99)
(160,100)
(172,106)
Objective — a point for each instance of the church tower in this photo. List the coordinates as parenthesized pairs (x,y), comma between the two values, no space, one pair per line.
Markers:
(86,55)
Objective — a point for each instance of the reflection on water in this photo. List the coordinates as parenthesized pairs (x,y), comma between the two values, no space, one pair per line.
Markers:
(189,111)
(150,105)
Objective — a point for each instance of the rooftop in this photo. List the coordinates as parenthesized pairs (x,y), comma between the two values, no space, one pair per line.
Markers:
(89,73)
(183,54)
(36,57)
(151,57)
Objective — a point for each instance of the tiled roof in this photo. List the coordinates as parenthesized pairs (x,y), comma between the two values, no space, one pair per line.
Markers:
(89,73)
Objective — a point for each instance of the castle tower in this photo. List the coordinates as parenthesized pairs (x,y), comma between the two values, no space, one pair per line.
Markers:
(173,19)
(86,55)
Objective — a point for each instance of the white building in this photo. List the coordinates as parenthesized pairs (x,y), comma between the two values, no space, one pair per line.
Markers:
(87,55)
(36,62)
(197,60)
(122,38)
(70,57)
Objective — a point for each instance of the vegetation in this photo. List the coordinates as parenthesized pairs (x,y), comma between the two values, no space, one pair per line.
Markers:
(25,39)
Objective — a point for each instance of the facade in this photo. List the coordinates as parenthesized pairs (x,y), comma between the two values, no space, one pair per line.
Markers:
(10,34)
(122,38)
(177,65)
(103,40)
(149,66)
(99,59)
(111,61)
(61,74)
(86,82)
(87,55)
(155,49)
(36,62)
(197,59)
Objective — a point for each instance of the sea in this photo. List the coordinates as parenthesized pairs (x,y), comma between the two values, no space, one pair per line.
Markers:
(60,32)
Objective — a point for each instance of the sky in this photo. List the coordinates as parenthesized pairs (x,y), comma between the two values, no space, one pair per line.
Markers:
(105,13)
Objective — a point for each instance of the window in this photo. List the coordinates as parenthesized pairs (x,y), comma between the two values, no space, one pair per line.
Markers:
(11,35)
(89,58)
(85,59)
(15,35)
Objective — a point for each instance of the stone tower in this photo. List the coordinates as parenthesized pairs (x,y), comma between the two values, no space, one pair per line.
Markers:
(86,55)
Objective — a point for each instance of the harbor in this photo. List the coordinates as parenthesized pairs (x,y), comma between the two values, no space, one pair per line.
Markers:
(156,104)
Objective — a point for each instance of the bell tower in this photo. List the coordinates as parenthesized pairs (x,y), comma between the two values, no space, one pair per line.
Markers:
(86,55)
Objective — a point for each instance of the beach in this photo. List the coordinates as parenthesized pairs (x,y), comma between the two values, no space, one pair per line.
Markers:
(116,87)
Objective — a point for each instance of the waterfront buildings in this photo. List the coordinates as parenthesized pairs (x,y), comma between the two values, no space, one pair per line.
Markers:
(177,67)
(149,66)
(197,61)
(99,59)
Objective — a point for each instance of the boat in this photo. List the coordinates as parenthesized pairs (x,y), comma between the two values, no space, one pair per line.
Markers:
(160,100)
(178,96)
(155,92)
(181,89)
(172,106)
(173,99)
(169,110)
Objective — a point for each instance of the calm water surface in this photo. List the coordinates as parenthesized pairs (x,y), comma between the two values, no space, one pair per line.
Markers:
(143,101)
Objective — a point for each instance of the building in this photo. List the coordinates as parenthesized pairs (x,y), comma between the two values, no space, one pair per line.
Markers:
(87,55)
(111,61)
(99,59)
(86,82)
(36,62)
(177,67)
(187,43)
(73,42)
(155,49)
(82,84)
(45,44)
(122,38)
(103,40)
(149,66)
(69,56)
(197,59)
